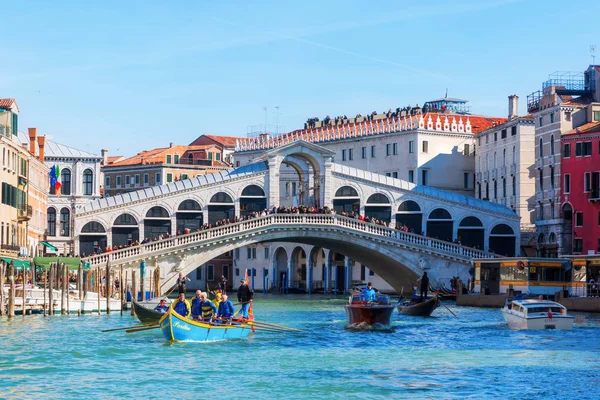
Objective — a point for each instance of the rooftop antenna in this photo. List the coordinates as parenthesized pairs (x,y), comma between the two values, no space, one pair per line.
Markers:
(266,115)
(592,53)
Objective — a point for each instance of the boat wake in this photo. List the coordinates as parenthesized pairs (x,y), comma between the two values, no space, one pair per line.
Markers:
(363,326)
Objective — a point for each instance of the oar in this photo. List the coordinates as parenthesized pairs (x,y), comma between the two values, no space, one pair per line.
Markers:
(129,327)
(265,324)
(142,329)
(446,307)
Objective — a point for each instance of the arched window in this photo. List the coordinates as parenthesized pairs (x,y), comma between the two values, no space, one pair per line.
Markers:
(440,213)
(409,206)
(125,219)
(502,240)
(502,229)
(189,205)
(65,180)
(65,222)
(487,162)
(504,158)
(541,148)
(346,191)
(221,197)
(470,221)
(93,227)
(514,185)
(514,155)
(253,190)
(157,212)
(495,165)
(51,222)
(88,182)
(551,144)
(471,232)
(378,198)
(440,225)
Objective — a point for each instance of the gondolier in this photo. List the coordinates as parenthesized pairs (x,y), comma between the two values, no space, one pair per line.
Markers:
(245,295)
(424,285)
(181,283)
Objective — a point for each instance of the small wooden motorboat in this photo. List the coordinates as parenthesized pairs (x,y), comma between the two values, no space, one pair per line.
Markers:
(377,313)
(146,315)
(418,307)
(176,328)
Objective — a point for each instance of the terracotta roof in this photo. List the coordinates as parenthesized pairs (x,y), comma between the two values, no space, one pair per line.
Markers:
(481,123)
(114,159)
(225,141)
(590,127)
(158,155)
(7,103)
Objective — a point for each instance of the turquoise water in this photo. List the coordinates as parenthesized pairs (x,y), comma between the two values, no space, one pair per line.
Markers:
(471,356)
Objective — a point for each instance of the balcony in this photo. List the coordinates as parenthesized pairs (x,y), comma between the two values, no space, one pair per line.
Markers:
(24,213)
(594,195)
(486,176)
(494,174)
(502,172)
(552,194)
(9,250)
(513,169)
(539,196)
(539,163)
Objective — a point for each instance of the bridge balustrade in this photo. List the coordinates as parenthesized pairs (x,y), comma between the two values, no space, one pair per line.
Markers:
(138,252)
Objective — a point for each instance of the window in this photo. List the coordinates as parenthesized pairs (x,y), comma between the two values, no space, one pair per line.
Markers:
(237,164)
(514,186)
(210,155)
(344,155)
(64,222)
(65,179)
(118,179)
(503,187)
(551,177)
(394,174)
(157,179)
(586,182)
(388,174)
(466,180)
(350,154)
(210,272)
(371,273)
(218,156)
(578,149)
(266,253)
(577,245)
(388,149)
(395,149)
(199,274)
(137,179)
(168,159)
(363,153)
(88,182)
(567,186)
(551,118)
(372,151)
(579,218)
(513,130)
(251,253)
(424,177)
(503,134)
(411,176)
(51,222)
(146,179)
(567,150)
(541,150)
(495,190)
(425,146)
(514,159)
(479,190)
(169,178)
(487,191)
(541,179)
(237,254)
(466,149)
(411,146)
(552,143)
(587,149)
(487,139)
(106,182)
(541,121)
(176,158)
(127,180)
(363,272)
(184,176)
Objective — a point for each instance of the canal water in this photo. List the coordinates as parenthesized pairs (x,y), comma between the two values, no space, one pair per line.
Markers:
(472,355)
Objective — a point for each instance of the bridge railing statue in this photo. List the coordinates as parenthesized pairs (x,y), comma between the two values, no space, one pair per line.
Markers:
(130,254)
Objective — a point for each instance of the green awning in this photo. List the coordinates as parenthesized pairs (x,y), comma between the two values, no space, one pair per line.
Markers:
(44,262)
(50,246)
(16,262)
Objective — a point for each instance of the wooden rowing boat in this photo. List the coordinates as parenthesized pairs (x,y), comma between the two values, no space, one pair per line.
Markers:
(177,328)
(369,314)
(146,315)
(418,307)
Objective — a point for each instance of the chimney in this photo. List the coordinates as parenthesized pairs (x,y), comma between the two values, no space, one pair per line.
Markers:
(104,154)
(171,145)
(32,140)
(41,143)
(513,106)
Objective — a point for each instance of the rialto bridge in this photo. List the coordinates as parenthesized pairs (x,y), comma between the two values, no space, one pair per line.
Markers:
(445,230)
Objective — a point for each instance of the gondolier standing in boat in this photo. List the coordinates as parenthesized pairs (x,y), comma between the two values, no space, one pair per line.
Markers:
(181,282)
(225,308)
(245,295)
(424,285)
(182,306)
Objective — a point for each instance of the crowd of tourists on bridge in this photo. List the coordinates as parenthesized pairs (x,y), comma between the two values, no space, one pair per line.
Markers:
(343,119)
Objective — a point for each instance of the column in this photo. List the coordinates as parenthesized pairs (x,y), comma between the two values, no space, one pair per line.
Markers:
(289,272)
(327,273)
(325,184)
(273,194)
(309,274)
(347,273)
(335,280)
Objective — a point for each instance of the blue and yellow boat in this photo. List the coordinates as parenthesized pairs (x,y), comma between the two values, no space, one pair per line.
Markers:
(176,328)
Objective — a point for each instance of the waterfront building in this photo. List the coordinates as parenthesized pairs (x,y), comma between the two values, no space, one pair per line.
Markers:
(504,168)
(580,198)
(226,143)
(559,107)
(159,166)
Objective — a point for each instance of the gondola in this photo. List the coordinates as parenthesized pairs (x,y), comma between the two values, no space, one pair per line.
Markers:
(146,315)
(176,328)
(377,314)
(416,307)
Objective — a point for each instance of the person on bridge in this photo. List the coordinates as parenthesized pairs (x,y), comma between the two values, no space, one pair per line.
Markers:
(368,293)
(245,295)
(182,306)
(181,282)
(424,285)
(161,307)
(207,308)
(196,308)
(226,310)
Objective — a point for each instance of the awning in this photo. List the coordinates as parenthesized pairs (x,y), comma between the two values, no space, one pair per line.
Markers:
(16,262)
(50,246)
(44,262)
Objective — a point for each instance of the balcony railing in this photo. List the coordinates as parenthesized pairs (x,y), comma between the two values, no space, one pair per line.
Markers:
(551,160)
(539,163)
(594,195)
(24,213)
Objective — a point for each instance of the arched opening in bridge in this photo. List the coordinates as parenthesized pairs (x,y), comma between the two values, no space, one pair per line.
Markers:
(298,268)
(280,262)
(346,201)
(502,240)
(125,230)
(409,214)
(189,215)
(253,199)
(92,239)
(378,206)
(567,242)
(156,223)
(471,232)
(440,225)
(338,262)
(300,180)
(220,208)
(316,261)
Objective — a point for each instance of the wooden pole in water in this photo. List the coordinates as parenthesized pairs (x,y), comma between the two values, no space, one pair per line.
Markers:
(99,287)
(45,286)
(11,290)
(1,288)
(108,287)
(80,280)
(23,293)
(121,287)
(63,300)
(157,278)
(142,279)
(50,294)
(133,291)
(151,283)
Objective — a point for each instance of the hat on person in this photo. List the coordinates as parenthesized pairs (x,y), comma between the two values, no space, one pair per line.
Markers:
(242,280)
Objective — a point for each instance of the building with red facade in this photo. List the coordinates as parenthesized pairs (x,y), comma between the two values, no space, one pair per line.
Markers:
(581,184)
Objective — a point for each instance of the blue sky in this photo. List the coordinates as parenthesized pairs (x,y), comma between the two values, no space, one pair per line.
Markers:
(134,75)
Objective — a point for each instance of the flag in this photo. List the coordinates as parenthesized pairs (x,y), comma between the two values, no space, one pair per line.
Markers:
(549,313)
(54,175)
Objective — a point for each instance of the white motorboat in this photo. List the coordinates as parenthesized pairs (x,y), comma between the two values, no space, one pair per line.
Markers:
(536,314)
